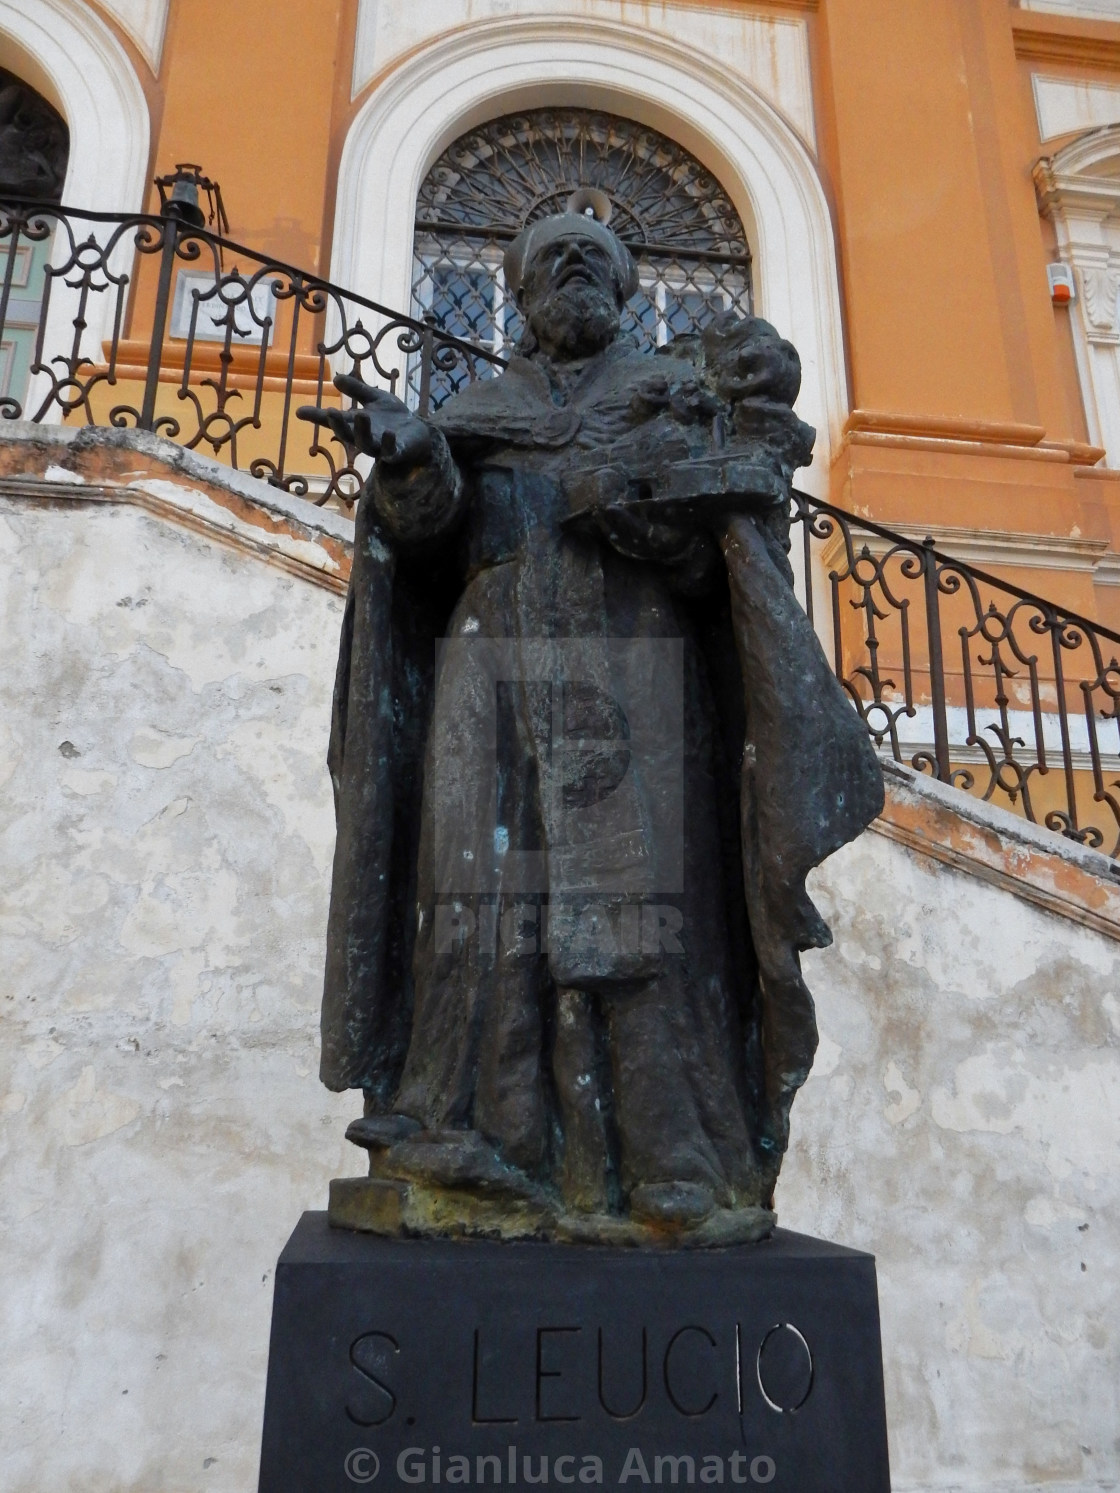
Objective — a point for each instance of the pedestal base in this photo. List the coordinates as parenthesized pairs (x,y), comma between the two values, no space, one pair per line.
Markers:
(409,1363)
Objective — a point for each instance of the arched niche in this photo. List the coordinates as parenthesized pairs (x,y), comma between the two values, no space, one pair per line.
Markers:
(34,150)
(497,67)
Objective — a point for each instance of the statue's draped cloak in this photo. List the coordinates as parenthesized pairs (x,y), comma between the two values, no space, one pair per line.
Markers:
(803,779)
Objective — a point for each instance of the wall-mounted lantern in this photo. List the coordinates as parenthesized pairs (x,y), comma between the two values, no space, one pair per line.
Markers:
(180,196)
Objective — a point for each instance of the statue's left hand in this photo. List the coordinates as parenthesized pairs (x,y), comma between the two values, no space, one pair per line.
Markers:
(379,425)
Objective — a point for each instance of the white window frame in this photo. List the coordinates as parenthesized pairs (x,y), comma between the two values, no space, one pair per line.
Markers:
(1079,191)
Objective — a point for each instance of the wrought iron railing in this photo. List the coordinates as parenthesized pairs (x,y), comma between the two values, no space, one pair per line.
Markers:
(956,672)
(232,342)
(966,676)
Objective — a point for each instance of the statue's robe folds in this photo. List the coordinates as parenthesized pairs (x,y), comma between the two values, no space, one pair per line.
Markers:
(605,1064)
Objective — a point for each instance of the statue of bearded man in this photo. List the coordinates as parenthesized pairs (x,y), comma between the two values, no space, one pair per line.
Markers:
(569,885)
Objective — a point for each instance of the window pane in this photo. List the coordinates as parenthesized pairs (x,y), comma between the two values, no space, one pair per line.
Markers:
(463,300)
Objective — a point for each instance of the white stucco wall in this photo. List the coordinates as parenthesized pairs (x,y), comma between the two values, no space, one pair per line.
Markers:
(163,883)
(165,840)
(962,1122)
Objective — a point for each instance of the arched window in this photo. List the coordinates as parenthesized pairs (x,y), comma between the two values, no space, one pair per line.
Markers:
(34,150)
(675,217)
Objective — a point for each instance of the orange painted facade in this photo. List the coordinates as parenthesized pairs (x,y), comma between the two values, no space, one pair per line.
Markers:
(967,409)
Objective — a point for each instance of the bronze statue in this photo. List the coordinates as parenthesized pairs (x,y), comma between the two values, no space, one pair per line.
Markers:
(569,883)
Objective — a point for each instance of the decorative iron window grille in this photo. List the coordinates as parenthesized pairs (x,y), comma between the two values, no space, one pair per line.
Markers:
(671,212)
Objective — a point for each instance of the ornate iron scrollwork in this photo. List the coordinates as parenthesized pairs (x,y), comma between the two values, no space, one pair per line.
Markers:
(963,675)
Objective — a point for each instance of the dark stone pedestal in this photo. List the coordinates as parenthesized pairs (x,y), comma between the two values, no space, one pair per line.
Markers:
(410,1363)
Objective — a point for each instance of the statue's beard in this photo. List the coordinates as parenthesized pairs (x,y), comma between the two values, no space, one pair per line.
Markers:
(575,321)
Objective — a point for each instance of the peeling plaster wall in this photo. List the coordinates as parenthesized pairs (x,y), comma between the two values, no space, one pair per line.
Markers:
(962,1122)
(165,841)
(165,837)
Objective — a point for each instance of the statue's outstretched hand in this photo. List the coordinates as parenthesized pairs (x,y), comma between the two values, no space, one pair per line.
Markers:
(379,425)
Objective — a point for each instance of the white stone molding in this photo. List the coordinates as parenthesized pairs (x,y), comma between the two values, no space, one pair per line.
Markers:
(992,843)
(1098,291)
(1064,105)
(79,464)
(494,67)
(69,53)
(1089,10)
(768,51)
(145,21)
(1079,190)
(66,51)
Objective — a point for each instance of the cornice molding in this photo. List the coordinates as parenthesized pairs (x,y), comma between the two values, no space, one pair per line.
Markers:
(965,437)
(56,465)
(1044,451)
(978,839)
(945,427)
(993,548)
(1094,195)
(1066,39)
(1107,572)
